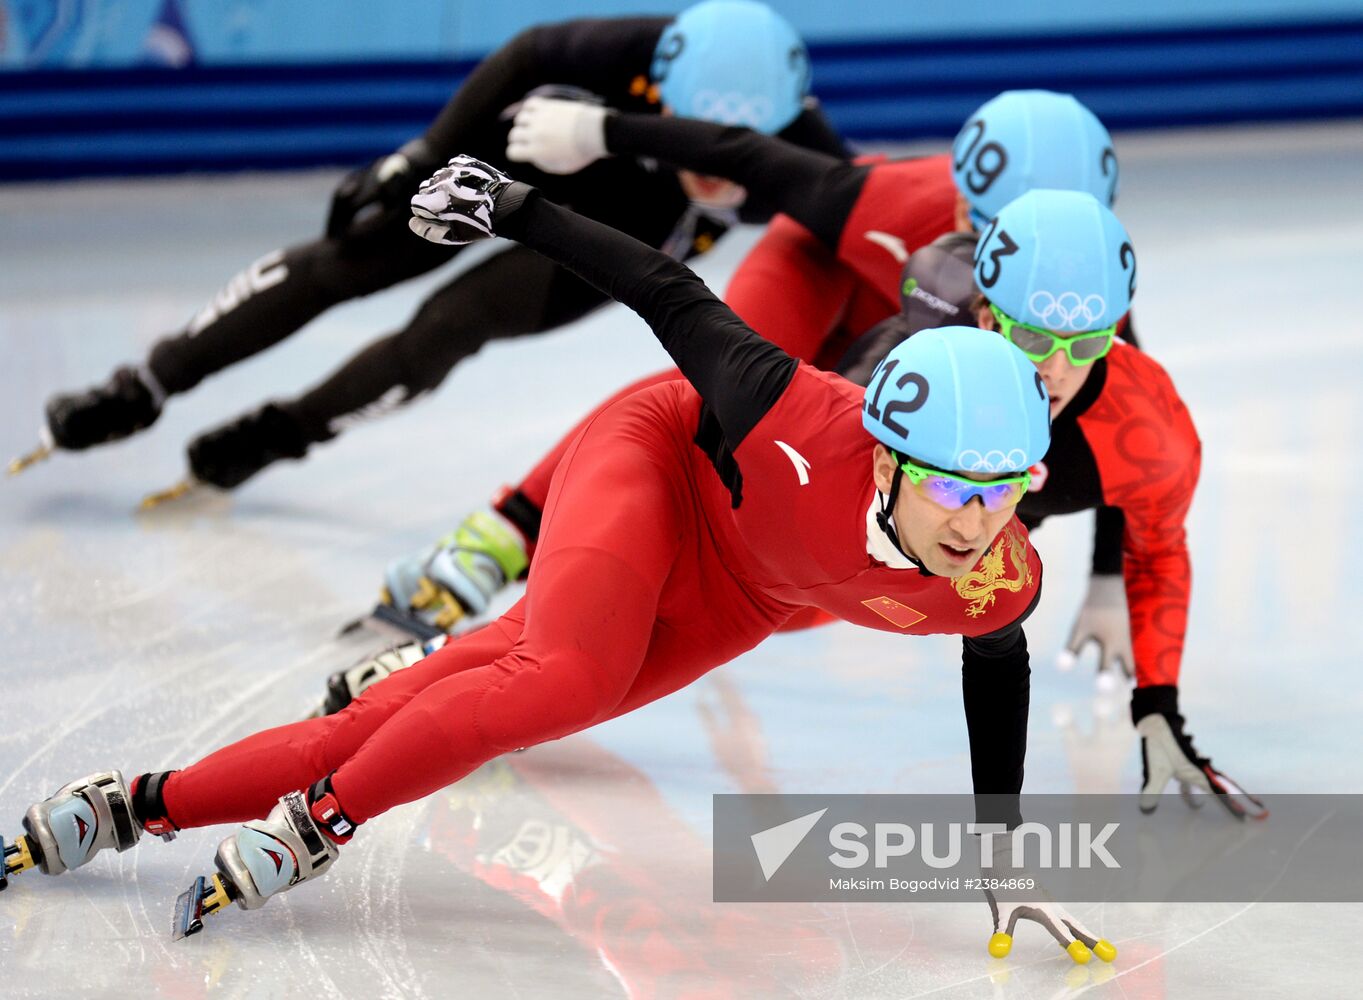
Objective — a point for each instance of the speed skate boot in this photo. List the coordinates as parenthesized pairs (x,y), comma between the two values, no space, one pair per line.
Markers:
(128,402)
(227,456)
(461,574)
(298,841)
(68,829)
(345,686)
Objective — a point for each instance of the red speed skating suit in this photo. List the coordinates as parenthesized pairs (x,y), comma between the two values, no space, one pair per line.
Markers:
(798,289)
(676,536)
(1136,450)
(795,290)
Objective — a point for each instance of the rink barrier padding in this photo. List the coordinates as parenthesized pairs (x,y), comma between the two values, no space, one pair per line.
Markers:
(109,122)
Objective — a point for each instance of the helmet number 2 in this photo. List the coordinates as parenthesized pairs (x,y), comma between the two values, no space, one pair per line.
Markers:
(1006,248)
(989,160)
(1128,259)
(898,405)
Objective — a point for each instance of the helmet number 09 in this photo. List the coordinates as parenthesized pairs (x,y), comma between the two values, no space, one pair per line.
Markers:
(1006,248)
(990,159)
(897,405)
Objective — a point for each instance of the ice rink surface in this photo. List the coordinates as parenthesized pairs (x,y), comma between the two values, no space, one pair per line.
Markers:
(581,868)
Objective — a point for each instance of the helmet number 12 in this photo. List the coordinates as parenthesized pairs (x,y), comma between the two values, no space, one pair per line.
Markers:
(897,404)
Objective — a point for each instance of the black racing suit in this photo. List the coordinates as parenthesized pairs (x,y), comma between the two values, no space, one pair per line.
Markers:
(511,294)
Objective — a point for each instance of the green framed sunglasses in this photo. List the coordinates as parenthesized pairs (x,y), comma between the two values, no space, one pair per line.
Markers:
(946,489)
(1038,344)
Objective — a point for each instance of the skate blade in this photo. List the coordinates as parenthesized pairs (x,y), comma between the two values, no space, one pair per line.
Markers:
(14,858)
(206,896)
(388,622)
(38,454)
(183,488)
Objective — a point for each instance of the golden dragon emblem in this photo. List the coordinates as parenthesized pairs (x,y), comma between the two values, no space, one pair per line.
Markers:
(979,584)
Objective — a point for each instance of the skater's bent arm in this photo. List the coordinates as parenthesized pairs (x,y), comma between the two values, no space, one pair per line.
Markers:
(815,189)
(589,53)
(738,373)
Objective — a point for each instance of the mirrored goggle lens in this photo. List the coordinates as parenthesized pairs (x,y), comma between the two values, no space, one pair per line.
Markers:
(954,494)
(1032,343)
(1090,349)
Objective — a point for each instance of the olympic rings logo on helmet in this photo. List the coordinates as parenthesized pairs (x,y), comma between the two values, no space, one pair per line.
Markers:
(1068,310)
(971,460)
(732,108)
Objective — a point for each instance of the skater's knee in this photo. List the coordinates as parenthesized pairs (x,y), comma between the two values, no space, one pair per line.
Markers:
(435,340)
(337,273)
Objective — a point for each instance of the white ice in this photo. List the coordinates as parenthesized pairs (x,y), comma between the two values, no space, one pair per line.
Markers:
(581,868)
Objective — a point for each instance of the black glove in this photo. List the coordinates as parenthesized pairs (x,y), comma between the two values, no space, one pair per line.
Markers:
(1167,754)
(369,198)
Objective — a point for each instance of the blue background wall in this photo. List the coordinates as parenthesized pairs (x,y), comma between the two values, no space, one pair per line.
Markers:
(136,86)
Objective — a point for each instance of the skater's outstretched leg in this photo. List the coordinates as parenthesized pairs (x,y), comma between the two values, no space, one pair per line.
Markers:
(257,308)
(508,295)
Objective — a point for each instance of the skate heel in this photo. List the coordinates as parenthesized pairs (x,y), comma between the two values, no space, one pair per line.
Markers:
(18,857)
(208,895)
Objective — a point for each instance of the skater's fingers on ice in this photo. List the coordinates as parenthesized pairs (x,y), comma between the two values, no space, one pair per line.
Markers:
(1078,943)
(1078,641)
(1001,942)
(1190,796)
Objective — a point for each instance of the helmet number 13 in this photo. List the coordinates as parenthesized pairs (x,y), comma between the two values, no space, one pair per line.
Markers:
(989,276)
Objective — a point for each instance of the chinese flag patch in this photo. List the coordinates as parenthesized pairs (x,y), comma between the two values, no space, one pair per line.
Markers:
(892,611)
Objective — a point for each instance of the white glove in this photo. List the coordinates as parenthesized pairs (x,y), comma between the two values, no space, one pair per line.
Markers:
(1167,754)
(1103,619)
(558,137)
(456,204)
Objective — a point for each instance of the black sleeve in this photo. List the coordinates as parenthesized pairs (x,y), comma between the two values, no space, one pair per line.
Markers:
(1109,526)
(597,54)
(816,189)
(811,130)
(996,685)
(738,374)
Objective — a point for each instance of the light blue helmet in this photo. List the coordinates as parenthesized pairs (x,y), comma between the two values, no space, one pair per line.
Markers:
(1025,139)
(735,62)
(1057,260)
(959,399)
